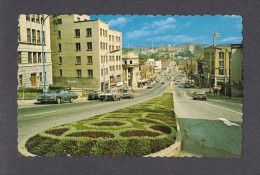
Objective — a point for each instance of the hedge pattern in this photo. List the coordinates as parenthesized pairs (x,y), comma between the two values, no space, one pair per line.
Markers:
(137,130)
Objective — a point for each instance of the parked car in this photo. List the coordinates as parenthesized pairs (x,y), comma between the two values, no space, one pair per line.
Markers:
(111,94)
(94,95)
(57,96)
(128,94)
(187,85)
(199,95)
(149,87)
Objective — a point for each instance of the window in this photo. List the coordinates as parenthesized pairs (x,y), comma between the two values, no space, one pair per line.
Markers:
(110,68)
(119,39)
(20,80)
(119,58)
(90,61)
(113,48)
(89,32)
(90,73)
(33,36)
(59,48)
(33,18)
(106,59)
(116,67)
(102,59)
(38,19)
(29,57)
(19,58)
(59,35)
(113,58)
(27,17)
(221,55)
(119,67)
(213,71)
(109,37)
(77,33)
(60,60)
(221,63)
(19,37)
(34,57)
(59,21)
(78,48)
(78,59)
(109,58)
(131,62)
(113,68)
(116,58)
(113,38)
(106,46)
(40,75)
(28,35)
(38,36)
(101,72)
(89,45)
(39,57)
(100,32)
(221,71)
(125,62)
(101,45)
(106,71)
(109,47)
(42,18)
(60,72)
(79,73)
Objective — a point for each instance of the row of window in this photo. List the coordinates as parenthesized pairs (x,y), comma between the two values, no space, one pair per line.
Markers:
(33,36)
(111,68)
(78,47)
(111,58)
(79,73)
(35,18)
(33,79)
(78,60)
(103,46)
(103,32)
(33,57)
(221,55)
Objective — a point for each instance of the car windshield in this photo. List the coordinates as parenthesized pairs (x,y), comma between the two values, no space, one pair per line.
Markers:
(126,91)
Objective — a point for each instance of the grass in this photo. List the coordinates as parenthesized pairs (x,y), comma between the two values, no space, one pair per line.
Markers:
(28,95)
(132,131)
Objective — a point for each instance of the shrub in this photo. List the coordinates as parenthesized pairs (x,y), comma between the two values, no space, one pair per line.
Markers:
(146,120)
(108,124)
(39,90)
(164,129)
(57,132)
(139,133)
(92,134)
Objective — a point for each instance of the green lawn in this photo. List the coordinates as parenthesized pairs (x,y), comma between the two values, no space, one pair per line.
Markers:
(28,95)
(133,131)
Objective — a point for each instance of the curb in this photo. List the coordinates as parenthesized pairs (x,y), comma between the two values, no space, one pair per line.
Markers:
(23,151)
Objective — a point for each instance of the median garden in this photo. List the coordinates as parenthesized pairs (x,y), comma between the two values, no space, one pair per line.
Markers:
(137,130)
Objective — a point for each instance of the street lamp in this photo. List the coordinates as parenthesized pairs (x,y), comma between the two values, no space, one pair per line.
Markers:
(104,70)
(44,73)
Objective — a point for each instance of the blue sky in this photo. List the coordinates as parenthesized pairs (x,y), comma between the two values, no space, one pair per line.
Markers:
(142,30)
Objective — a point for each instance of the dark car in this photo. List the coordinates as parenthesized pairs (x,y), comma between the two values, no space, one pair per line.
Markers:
(57,96)
(199,95)
(94,95)
(162,82)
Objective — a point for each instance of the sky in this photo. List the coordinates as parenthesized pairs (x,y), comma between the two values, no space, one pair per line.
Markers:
(164,30)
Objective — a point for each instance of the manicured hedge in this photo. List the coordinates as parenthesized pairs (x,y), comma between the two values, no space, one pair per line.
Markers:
(40,90)
(137,130)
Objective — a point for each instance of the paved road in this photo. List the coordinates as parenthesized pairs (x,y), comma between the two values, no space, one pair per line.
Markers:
(202,125)
(36,118)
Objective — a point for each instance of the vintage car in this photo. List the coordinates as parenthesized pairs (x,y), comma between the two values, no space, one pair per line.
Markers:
(57,96)
(94,95)
(128,94)
(199,95)
(111,94)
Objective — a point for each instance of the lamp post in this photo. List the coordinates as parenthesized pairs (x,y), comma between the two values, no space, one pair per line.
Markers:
(43,57)
(104,70)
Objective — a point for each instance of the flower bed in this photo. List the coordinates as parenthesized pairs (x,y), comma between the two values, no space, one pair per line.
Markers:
(132,131)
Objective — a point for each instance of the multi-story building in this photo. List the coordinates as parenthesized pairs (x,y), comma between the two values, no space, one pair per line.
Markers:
(30,58)
(236,80)
(217,59)
(131,69)
(78,48)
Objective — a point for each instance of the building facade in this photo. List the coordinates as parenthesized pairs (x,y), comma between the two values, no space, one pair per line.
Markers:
(236,70)
(79,46)
(131,69)
(30,57)
(217,59)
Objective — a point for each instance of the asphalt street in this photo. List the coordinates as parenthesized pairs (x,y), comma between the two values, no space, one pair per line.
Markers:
(39,117)
(209,128)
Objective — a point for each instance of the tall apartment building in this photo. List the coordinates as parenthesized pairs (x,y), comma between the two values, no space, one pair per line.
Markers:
(78,47)
(30,72)
(217,60)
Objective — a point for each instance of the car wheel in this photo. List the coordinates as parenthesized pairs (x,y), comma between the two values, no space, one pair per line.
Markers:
(101,99)
(205,99)
(70,100)
(119,98)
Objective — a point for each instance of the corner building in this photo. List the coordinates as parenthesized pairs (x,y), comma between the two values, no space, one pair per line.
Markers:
(30,58)
(79,45)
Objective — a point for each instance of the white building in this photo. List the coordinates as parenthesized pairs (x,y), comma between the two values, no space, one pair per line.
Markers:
(30,72)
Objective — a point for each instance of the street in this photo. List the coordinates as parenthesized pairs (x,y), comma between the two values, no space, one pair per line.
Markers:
(38,117)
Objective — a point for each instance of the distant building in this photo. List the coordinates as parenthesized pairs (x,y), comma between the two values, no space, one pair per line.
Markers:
(131,69)
(30,58)
(191,48)
(236,70)
(79,46)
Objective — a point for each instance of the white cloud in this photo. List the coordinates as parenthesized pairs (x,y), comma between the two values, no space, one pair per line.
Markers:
(137,34)
(168,21)
(231,39)
(188,23)
(121,21)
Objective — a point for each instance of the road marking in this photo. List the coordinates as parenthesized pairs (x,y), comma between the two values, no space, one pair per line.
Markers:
(40,113)
(228,122)
(216,106)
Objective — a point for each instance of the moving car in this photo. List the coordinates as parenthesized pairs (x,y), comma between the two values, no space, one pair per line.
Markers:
(128,94)
(94,95)
(111,94)
(57,96)
(199,95)
(149,87)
